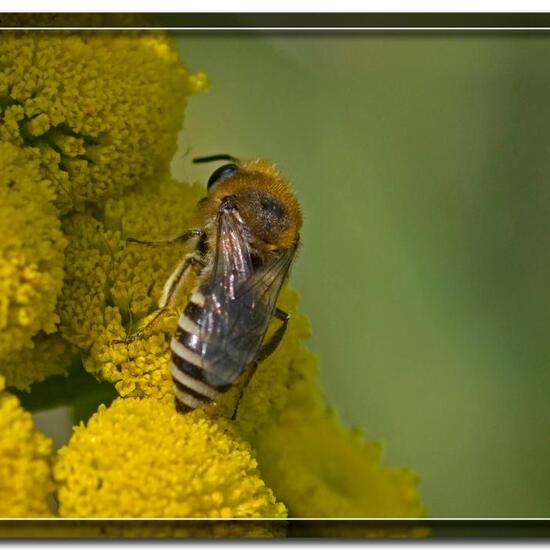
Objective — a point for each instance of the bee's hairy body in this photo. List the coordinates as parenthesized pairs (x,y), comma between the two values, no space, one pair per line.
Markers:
(247,233)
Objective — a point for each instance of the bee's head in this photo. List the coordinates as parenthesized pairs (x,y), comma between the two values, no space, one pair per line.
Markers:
(262,198)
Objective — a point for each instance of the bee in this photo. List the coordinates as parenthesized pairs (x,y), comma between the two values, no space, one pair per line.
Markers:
(245,241)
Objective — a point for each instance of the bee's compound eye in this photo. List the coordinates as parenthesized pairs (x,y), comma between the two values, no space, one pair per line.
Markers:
(272,207)
(222,173)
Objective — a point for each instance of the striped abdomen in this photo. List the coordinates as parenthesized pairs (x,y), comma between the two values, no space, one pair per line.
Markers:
(187,366)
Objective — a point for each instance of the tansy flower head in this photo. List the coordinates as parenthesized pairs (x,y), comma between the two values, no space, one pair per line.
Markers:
(111,285)
(49,354)
(25,479)
(88,123)
(102,109)
(140,458)
(31,261)
(316,466)
(326,471)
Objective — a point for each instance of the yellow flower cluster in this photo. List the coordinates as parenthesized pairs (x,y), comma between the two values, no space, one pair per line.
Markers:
(83,117)
(140,458)
(312,474)
(31,266)
(112,285)
(318,468)
(88,124)
(50,354)
(73,128)
(25,478)
(101,109)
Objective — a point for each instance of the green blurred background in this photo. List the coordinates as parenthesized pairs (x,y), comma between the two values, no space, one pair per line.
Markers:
(422,164)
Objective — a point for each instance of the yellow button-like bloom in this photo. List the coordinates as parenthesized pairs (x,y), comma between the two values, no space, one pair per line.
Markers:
(140,458)
(316,466)
(111,285)
(31,266)
(25,478)
(325,471)
(50,354)
(102,108)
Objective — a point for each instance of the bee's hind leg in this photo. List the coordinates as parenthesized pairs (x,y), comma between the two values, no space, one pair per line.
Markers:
(249,374)
(264,352)
(273,343)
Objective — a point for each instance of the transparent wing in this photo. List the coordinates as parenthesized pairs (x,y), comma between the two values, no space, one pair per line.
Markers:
(232,263)
(238,304)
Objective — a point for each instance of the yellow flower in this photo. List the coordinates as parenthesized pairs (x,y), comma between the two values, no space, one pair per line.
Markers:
(31,262)
(50,354)
(111,285)
(140,458)
(325,471)
(102,109)
(88,123)
(315,466)
(25,480)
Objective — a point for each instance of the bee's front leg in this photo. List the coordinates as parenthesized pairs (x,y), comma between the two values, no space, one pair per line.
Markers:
(139,334)
(179,239)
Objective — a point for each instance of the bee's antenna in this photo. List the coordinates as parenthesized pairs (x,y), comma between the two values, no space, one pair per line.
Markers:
(212,158)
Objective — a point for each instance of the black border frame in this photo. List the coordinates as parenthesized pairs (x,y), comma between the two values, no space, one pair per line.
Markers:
(301,22)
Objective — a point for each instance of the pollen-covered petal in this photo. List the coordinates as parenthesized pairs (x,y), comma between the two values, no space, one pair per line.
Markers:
(140,458)
(31,258)
(25,469)
(102,109)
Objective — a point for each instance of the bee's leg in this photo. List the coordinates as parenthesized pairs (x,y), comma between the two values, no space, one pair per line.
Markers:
(249,374)
(175,281)
(180,239)
(139,334)
(169,293)
(264,352)
(271,345)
